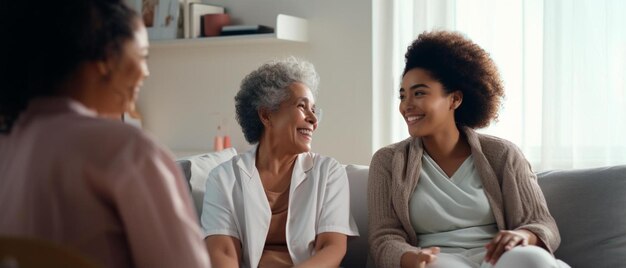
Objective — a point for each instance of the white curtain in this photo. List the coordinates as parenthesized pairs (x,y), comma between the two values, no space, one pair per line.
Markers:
(563,63)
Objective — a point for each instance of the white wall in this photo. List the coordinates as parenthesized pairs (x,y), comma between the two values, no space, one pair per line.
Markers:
(191,89)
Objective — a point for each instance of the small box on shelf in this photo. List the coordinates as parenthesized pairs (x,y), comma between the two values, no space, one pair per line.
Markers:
(245,29)
(212,24)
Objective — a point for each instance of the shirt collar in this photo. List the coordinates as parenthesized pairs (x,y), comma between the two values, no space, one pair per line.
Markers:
(303,164)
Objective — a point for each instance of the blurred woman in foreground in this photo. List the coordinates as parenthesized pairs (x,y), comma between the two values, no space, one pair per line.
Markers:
(67,174)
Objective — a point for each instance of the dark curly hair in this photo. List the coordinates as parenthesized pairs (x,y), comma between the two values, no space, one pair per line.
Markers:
(45,48)
(460,64)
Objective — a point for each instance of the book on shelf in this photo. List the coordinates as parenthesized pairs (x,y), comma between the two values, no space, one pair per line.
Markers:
(192,11)
(196,11)
(245,29)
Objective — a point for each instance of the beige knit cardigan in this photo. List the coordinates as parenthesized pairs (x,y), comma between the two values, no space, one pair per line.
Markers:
(509,183)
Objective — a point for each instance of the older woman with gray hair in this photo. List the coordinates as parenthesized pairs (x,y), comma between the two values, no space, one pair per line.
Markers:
(278,205)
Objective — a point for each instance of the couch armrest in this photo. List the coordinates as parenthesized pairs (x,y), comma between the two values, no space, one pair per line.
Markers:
(588,206)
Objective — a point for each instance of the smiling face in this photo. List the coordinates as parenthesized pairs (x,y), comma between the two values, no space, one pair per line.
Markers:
(126,74)
(426,107)
(293,124)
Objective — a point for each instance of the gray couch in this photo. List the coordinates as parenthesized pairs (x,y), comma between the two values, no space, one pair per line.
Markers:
(589,206)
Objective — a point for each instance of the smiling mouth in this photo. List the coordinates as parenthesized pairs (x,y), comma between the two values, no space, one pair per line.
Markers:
(413,119)
(306,132)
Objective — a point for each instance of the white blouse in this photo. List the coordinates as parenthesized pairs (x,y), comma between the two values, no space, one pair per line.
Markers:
(451,211)
(235,204)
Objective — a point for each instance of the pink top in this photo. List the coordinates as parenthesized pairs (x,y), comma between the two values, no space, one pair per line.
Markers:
(100,186)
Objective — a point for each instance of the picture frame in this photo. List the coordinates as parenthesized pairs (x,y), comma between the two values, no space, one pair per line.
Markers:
(159,16)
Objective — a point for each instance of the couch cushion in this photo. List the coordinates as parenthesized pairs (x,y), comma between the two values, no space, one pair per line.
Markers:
(588,206)
(357,252)
(196,170)
(185,165)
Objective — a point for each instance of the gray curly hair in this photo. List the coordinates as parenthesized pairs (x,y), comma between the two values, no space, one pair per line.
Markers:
(266,88)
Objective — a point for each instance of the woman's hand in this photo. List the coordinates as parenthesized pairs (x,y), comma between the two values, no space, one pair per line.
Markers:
(505,240)
(419,259)
(427,256)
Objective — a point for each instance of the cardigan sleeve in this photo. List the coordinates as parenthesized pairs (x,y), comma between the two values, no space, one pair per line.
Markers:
(387,239)
(525,205)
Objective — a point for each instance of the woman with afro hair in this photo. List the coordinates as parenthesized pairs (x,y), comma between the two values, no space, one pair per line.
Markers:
(449,196)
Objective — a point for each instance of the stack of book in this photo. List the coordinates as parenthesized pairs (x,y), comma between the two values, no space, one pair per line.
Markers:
(193,10)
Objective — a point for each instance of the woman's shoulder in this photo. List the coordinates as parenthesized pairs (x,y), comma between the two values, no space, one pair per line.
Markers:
(226,166)
(493,144)
(100,139)
(319,161)
(500,152)
(117,134)
(385,154)
(110,150)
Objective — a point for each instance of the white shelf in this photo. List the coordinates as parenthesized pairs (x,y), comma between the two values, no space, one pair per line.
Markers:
(288,29)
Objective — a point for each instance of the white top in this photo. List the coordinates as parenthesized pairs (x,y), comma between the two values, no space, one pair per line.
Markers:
(99,186)
(235,204)
(459,214)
